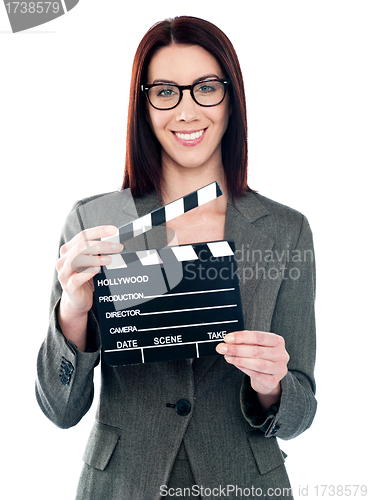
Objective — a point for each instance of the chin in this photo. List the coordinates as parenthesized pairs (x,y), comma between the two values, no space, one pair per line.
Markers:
(192,165)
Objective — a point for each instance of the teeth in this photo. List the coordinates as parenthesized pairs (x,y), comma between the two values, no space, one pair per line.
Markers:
(190,137)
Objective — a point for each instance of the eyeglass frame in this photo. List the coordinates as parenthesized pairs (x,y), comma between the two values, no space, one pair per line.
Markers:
(225,81)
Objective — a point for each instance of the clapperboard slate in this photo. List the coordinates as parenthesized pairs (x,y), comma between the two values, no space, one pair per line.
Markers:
(176,302)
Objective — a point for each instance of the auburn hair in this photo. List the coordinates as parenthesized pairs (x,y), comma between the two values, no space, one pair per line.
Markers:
(143,151)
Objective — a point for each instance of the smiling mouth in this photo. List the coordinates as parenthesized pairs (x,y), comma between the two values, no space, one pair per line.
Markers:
(189,137)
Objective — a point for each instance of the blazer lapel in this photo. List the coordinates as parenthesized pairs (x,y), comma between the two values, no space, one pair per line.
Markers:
(157,236)
(201,366)
(252,245)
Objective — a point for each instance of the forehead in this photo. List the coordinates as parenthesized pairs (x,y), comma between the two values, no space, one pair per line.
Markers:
(182,64)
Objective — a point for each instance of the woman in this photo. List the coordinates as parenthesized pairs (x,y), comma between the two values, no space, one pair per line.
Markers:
(187,128)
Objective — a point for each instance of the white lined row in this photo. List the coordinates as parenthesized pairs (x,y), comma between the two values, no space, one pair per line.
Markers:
(182,253)
(188,310)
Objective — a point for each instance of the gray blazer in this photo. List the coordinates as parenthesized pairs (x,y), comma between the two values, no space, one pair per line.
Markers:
(136,437)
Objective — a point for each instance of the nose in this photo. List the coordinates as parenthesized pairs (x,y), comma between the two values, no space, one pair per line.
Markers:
(187,109)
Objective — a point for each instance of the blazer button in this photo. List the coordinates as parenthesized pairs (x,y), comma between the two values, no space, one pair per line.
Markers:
(66,370)
(183,407)
(275,429)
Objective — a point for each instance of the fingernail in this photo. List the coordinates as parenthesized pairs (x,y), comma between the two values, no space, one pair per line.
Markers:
(229,359)
(221,348)
(116,246)
(111,230)
(229,337)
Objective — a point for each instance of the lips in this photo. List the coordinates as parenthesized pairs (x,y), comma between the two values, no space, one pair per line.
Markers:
(190,138)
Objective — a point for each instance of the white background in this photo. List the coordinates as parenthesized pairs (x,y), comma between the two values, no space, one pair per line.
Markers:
(63,94)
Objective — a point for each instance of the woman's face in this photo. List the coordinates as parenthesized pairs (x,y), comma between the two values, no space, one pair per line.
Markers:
(185,65)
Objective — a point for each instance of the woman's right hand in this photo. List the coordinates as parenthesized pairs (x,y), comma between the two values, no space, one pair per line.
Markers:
(80,260)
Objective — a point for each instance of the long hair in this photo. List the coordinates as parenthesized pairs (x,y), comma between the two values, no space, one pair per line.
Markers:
(143,151)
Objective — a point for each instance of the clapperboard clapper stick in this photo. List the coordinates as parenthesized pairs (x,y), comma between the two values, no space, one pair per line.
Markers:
(161,215)
(171,303)
(168,212)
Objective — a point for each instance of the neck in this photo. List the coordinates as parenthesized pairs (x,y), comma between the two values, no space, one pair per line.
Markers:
(178,183)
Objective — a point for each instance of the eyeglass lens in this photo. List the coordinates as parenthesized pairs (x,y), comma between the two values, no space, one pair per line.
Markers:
(167,96)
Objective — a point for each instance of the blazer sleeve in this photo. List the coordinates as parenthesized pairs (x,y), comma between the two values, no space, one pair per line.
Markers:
(64,383)
(294,319)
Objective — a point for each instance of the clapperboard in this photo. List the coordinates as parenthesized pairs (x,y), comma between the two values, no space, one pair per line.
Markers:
(176,302)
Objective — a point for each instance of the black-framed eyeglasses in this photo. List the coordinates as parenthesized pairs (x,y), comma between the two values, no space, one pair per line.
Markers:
(207,93)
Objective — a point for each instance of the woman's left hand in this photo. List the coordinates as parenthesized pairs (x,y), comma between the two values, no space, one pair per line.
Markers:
(261,355)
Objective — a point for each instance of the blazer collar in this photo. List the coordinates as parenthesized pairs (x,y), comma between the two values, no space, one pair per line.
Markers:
(147,203)
(250,207)
(156,237)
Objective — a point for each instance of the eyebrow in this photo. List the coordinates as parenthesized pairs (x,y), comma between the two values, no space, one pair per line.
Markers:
(164,80)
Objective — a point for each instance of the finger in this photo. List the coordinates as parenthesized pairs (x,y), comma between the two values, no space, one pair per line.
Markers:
(90,234)
(97,248)
(256,365)
(250,351)
(82,262)
(88,247)
(254,337)
(258,368)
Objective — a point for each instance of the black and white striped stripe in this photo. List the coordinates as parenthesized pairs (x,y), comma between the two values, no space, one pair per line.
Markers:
(167,213)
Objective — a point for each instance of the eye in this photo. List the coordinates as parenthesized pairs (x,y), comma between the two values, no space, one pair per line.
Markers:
(165,91)
(208,87)
(205,88)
